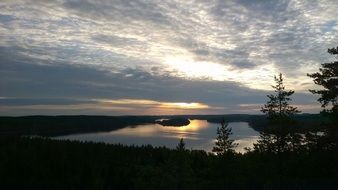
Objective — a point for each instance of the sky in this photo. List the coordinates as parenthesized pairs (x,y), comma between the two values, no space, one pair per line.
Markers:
(157,57)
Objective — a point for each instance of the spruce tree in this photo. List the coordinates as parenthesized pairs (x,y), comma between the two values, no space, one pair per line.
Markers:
(223,143)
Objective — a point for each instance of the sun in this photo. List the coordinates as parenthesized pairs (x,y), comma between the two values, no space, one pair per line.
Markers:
(193,105)
(196,69)
(254,78)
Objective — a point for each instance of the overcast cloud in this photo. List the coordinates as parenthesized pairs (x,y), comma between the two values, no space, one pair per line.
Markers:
(120,57)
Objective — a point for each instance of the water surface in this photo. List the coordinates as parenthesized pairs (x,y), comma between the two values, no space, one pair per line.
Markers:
(199,134)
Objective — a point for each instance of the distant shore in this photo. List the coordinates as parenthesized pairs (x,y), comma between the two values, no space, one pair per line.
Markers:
(63,125)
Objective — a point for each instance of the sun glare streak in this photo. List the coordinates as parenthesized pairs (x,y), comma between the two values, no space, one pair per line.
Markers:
(184,105)
(152,103)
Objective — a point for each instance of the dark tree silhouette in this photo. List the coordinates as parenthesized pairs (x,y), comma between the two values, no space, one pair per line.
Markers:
(327,77)
(278,108)
(277,137)
(223,143)
(181,145)
(266,143)
(37,163)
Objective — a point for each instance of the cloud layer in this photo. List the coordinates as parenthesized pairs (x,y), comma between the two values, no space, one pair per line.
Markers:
(220,54)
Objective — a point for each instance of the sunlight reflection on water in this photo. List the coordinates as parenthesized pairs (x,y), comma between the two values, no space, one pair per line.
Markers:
(199,134)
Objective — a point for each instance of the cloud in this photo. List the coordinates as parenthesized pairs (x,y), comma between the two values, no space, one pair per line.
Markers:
(106,106)
(217,53)
(73,89)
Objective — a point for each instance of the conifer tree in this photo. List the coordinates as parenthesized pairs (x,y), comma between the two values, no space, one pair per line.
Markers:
(266,143)
(327,77)
(277,136)
(223,143)
(278,107)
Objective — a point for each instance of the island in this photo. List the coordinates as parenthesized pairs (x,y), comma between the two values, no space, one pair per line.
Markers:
(177,122)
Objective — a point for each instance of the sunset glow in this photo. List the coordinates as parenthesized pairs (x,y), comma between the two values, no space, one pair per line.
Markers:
(196,69)
(168,94)
(121,57)
(145,103)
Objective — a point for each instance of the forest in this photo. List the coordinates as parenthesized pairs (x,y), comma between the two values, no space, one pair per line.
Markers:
(40,163)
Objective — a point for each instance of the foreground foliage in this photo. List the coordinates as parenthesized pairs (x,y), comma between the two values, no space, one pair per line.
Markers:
(327,78)
(38,163)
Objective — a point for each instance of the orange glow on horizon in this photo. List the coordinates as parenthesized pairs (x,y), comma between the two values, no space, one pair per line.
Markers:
(153,104)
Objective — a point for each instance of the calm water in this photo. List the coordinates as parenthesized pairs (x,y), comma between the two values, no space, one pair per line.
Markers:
(199,134)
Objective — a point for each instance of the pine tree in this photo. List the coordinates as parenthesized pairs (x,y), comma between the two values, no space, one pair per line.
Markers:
(327,77)
(277,136)
(278,108)
(223,143)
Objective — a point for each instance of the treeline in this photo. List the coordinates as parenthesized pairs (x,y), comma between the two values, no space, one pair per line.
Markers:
(49,126)
(40,163)
(303,122)
(63,125)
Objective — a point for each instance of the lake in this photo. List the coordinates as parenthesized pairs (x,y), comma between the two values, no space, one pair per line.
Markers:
(199,134)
